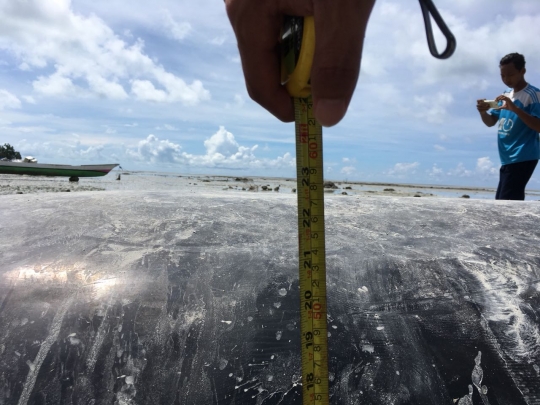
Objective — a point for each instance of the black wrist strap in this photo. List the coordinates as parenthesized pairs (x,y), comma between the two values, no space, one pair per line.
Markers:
(429,8)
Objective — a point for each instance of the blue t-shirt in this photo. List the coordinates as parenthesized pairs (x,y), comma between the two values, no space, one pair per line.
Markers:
(518,142)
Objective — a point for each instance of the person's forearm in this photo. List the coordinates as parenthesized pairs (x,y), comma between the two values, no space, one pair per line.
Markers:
(488,119)
(529,120)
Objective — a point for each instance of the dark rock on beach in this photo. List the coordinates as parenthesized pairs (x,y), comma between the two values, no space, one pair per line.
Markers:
(330,184)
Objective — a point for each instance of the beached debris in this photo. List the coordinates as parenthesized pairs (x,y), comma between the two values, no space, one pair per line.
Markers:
(243,179)
(348,188)
(465,196)
(330,184)
(253,188)
(344,193)
(118,177)
(389,189)
(417,195)
(276,188)
(293,190)
(29,159)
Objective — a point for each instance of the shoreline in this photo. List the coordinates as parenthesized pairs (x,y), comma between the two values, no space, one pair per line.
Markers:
(140,180)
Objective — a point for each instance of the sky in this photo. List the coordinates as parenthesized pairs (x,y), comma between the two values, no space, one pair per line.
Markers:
(158,86)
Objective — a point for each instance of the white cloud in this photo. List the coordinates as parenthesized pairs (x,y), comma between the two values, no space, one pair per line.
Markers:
(237,103)
(92,151)
(239,100)
(25,129)
(86,56)
(145,90)
(166,127)
(69,149)
(439,148)
(132,125)
(222,151)
(174,89)
(435,171)
(173,29)
(218,40)
(402,169)
(222,145)
(8,100)
(348,160)
(485,166)
(372,65)
(29,99)
(54,85)
(432,108)
(154,150)
(106,88)
(348,170)
(460,171)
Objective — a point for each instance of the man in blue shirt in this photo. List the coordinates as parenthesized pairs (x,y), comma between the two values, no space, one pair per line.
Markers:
(518,116)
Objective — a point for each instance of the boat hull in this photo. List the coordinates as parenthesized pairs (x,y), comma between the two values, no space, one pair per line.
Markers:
(36,169)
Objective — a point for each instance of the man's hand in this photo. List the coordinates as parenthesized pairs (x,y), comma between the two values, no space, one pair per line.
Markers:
(508,104)
(340,26)
(482,108)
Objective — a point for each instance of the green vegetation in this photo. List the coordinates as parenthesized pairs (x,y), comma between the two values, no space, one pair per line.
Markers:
(7,151)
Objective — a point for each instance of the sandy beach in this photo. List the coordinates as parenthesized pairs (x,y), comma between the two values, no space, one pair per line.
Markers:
(140,180)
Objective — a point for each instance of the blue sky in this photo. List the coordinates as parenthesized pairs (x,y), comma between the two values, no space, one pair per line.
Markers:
(158,86)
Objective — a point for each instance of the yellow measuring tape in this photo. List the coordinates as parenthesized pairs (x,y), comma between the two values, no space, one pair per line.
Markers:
(298,46)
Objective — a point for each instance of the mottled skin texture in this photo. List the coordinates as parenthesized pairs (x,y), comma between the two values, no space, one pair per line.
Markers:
(176,297)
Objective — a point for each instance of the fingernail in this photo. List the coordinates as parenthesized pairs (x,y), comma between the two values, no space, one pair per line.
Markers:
(329,111)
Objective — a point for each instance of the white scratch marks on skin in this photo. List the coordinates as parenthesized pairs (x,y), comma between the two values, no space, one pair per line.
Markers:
(369,348)
(477,376)
(502,288)
(100,337)
(43,350)
(247,382)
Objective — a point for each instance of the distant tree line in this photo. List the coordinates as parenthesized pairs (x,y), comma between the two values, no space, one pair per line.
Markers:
(7,151)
